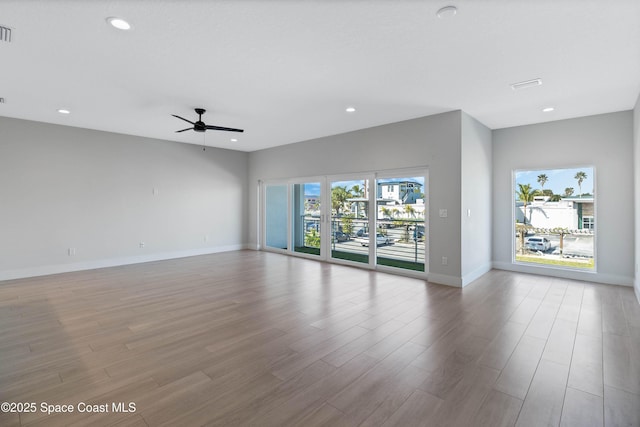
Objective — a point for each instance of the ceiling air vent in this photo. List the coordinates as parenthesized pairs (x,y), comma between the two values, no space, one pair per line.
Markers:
(5,34)
(526,84)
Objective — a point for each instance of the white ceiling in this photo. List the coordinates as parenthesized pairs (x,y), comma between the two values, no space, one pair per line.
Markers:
(285,70)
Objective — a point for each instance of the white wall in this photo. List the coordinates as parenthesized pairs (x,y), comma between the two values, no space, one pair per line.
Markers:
(432,141)
(636,164)
(604,141)
(63,187)
(476,195)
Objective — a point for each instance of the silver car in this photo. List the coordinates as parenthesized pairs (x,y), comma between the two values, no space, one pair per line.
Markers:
(538,244)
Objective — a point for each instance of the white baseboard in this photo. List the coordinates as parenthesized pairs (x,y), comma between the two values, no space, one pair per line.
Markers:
(609,279)
(444,279)
(476,274)
(112,262)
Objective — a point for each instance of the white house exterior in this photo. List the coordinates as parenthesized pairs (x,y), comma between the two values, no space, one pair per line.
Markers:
(573,213)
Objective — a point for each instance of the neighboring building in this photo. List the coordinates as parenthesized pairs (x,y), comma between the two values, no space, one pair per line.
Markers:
(312,202)
(399,192)
(573,213)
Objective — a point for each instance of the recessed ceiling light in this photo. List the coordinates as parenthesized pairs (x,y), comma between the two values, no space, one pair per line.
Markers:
(119,23)
(350,110)
(64,111)
(234,140)
(548,109)
(447,12)
(526,84)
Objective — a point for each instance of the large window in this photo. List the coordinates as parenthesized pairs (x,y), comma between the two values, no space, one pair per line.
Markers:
(554,213)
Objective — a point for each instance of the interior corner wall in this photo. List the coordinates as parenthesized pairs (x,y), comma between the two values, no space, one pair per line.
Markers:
(636,193)
(100,195)
(604,141)
(432,141)
(476,195)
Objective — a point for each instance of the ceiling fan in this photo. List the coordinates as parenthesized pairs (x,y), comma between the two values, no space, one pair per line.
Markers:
(200,126)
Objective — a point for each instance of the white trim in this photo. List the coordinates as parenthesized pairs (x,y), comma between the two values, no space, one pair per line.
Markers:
(46,270)
(444,279)
(476,274)
(587,276)
(636,287)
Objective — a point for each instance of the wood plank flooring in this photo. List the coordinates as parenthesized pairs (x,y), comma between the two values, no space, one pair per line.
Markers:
(258,339)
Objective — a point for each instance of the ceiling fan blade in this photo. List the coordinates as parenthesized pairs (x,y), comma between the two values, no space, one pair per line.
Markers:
(222,128)
(183,130)
(182,118)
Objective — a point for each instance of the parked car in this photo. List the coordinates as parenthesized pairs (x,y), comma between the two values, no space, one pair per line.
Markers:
(538,244)
(380,240)
(339,236)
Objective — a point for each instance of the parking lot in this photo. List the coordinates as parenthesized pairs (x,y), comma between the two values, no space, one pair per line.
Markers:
(574,245)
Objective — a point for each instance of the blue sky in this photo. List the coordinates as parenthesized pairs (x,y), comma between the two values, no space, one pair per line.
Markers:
(559,179)
(313,188)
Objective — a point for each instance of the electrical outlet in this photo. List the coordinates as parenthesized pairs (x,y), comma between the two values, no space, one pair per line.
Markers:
(443,213)
(445,261)
(72,251)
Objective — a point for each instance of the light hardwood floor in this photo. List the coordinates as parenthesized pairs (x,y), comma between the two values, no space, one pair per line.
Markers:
(258,339)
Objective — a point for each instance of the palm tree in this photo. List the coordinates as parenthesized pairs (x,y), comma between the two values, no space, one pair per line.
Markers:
(357,191)
(526,195)
(580,176)
(542,180)
(339,196)
(410,210)
(568,191)
(386,212)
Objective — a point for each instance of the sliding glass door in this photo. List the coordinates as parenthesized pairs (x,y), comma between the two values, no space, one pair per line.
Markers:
(276,218)
(350,228)
(373,219)
(307,215)
(400,217)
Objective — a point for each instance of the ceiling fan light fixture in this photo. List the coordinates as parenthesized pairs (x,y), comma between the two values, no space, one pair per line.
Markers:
(119,23)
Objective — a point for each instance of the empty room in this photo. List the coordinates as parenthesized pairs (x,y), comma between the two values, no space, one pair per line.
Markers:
(320,213)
